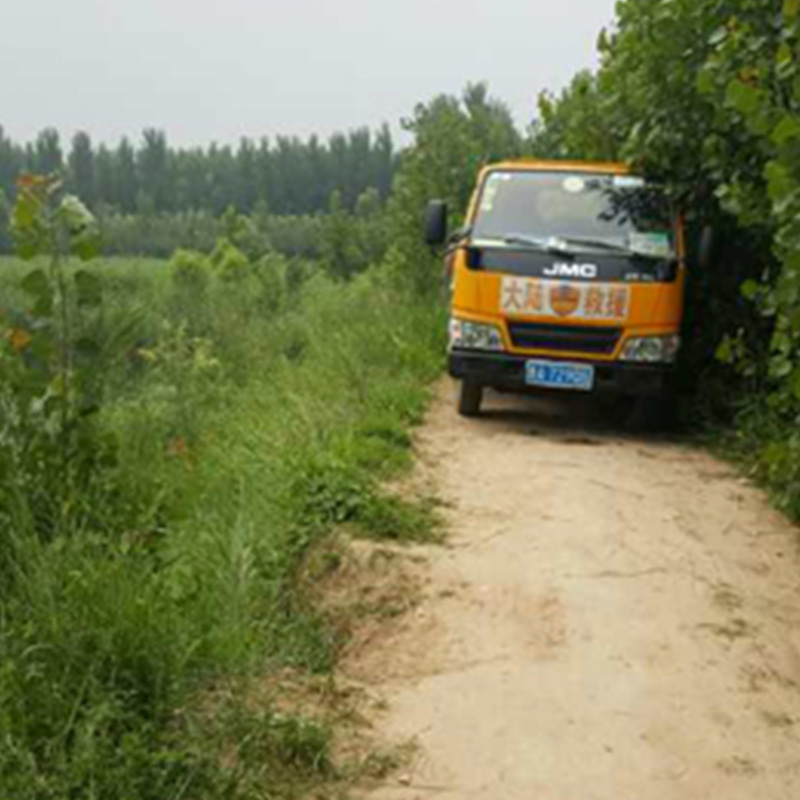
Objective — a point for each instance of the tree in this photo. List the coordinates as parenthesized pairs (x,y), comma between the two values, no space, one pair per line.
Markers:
(340,251)
(294,176)
(575,124)
(153,165)
(12,163)
(492,124)
(47,156)
(384,161)
(453,138)
(126,184)
(372,233)
(81,168)
(6,243)
(247,189)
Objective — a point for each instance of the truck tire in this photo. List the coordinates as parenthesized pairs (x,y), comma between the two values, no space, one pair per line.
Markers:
(470,398)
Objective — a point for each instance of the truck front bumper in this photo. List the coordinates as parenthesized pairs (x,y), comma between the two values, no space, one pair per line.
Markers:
(507,372)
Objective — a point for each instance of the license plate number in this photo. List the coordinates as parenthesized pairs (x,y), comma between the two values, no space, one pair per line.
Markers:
(579,377)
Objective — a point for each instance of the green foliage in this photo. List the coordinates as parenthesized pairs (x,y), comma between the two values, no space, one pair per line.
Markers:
(271,273)
(288,175)
(346,241)
(704,95)
(190,270)
(453,138)
(244,233)
(133,650)
(151,200)
(338,493)
(157,235)
(229,262)
(174,437)
(575,124)
(5,218)
(341,251)
(51,455)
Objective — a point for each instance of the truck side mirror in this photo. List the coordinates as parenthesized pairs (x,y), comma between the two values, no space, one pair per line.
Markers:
(705,248)
(436,223)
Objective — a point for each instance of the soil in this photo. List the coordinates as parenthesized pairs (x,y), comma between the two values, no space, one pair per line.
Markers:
(611,617)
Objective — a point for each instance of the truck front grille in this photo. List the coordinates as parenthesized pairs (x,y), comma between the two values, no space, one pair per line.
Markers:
(567,338)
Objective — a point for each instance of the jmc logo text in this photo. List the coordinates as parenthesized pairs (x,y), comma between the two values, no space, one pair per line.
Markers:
(565,270)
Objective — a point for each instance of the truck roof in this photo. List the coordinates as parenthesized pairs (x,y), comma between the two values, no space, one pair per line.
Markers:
(561,166)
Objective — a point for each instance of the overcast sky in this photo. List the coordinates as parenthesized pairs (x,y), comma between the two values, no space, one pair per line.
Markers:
(206,70)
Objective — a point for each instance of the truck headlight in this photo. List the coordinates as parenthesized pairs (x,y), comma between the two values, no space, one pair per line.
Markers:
(652,349)
(475,336)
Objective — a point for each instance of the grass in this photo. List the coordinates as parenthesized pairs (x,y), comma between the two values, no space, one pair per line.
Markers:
(250,418)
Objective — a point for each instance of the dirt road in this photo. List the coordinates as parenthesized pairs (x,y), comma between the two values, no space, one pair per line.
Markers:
(611,618)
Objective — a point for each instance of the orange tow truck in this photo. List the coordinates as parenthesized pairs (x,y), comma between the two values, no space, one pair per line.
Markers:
(567,277)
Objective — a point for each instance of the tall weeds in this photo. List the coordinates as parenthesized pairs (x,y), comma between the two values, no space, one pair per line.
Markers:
(250,412)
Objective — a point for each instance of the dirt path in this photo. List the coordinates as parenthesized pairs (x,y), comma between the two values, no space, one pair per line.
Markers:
(612,619)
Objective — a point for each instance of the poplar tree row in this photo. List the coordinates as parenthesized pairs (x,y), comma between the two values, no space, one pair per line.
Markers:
(286,175)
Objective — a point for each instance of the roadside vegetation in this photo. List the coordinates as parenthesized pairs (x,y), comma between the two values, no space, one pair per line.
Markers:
(705,96)
(176,432)
(175,437)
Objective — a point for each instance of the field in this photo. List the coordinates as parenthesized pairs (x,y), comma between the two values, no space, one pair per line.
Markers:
(239,420)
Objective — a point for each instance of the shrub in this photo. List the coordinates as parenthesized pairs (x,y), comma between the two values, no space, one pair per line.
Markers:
(190,270)
(229,262)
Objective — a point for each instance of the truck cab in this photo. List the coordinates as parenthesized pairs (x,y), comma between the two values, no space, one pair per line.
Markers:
(567,277)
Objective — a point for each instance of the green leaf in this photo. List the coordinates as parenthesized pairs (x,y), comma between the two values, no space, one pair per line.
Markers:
(725,351)
(89,288)
(35,283)
(791,9)
(780,367)
(718,37)
(81,227)
(75,214)
(86,246)
(746,99)
(705,82)
(779,182)
(26,249)
(38,286)
(27,224)
(26,210)
(750,289)
(785,62)
(786,130)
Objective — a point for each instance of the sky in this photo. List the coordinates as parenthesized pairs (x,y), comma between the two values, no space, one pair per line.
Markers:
(217,70)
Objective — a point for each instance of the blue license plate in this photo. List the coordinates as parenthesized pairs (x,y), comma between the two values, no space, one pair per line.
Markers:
(551,375)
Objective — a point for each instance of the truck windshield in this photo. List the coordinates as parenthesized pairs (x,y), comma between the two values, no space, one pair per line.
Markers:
(576,212)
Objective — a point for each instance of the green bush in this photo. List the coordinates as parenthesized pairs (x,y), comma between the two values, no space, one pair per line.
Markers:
(229,262)
(190,270)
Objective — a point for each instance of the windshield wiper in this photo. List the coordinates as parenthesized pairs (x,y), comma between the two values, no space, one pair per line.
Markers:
(600,244)
(551,245)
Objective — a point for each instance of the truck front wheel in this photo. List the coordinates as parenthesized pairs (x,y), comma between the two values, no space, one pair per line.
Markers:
(470,399)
